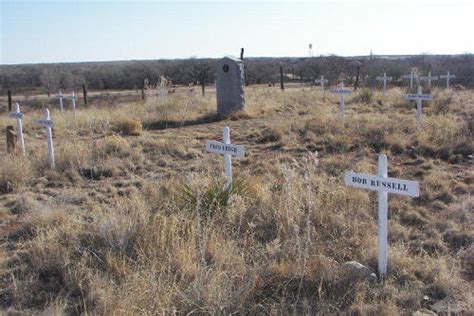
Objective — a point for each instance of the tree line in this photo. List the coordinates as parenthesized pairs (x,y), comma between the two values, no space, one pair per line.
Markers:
(49,78)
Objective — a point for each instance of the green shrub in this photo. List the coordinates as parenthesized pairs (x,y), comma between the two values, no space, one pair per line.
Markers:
(213,199)
(365,96)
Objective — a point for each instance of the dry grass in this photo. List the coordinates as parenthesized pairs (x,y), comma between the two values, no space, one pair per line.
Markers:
(141,225)
(14,173)
(127,127)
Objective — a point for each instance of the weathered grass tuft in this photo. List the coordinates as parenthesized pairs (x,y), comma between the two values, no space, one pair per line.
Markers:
(15,171)
(127,127)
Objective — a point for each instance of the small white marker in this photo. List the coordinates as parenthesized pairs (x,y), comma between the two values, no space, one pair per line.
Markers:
(447,77)
(384,78)
(321,81)
(19,126)
(419,97)
(341,92)
(72,97)
(47,123)
(411,76)
(60,97)
(429,78)
(228,150)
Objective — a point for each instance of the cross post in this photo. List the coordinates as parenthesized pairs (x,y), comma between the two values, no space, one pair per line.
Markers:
(447,77)
(19,126)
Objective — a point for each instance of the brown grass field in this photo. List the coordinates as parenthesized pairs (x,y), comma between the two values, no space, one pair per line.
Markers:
(135,221)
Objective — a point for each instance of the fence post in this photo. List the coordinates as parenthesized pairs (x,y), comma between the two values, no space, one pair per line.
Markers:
(282,86)
(10,133)
(84,93)
(9,100)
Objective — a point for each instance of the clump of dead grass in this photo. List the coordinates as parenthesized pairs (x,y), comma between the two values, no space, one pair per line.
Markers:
(15,172)
(127,127)
(444,136)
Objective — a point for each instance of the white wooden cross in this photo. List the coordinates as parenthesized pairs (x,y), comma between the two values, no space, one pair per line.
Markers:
(321,81)
(60,97)
(419,97)
(72,97)
(447,77)
(383,185)
(19,126)
(228,150)
(384,78)
(341,91)
(429,78)
(47,123)
(411,76)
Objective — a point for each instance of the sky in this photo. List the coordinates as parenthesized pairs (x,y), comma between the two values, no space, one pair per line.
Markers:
(73,31)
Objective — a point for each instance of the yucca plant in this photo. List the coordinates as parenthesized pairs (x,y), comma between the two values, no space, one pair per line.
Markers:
(365,96)
(213,199)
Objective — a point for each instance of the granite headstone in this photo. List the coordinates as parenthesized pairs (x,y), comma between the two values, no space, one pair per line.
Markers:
(230,86)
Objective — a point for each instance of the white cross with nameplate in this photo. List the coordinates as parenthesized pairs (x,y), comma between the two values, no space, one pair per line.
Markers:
(72,97)
(228,150)
(19,126)
(384,78)
(321,81)
(429,78)
(419,97)
(341,92)
(47,123)
(60,97)
(383,185)
(447,77)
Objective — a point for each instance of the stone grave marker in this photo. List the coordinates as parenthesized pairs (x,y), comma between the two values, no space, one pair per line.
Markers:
(230,86)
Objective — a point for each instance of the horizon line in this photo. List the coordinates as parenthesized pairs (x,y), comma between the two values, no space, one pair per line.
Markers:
(249,57)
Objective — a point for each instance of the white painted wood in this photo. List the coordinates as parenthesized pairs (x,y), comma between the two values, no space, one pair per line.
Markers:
(384,78)
(228,150)
(73,99)
(429,78)
(383,185)
(419,97)
(19,127)
(47,123)
(222,148)
(227,158)
(60,97)
(383,218)
(411,76)
(341,92)
(379,184)
(448,76)
(321,81)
